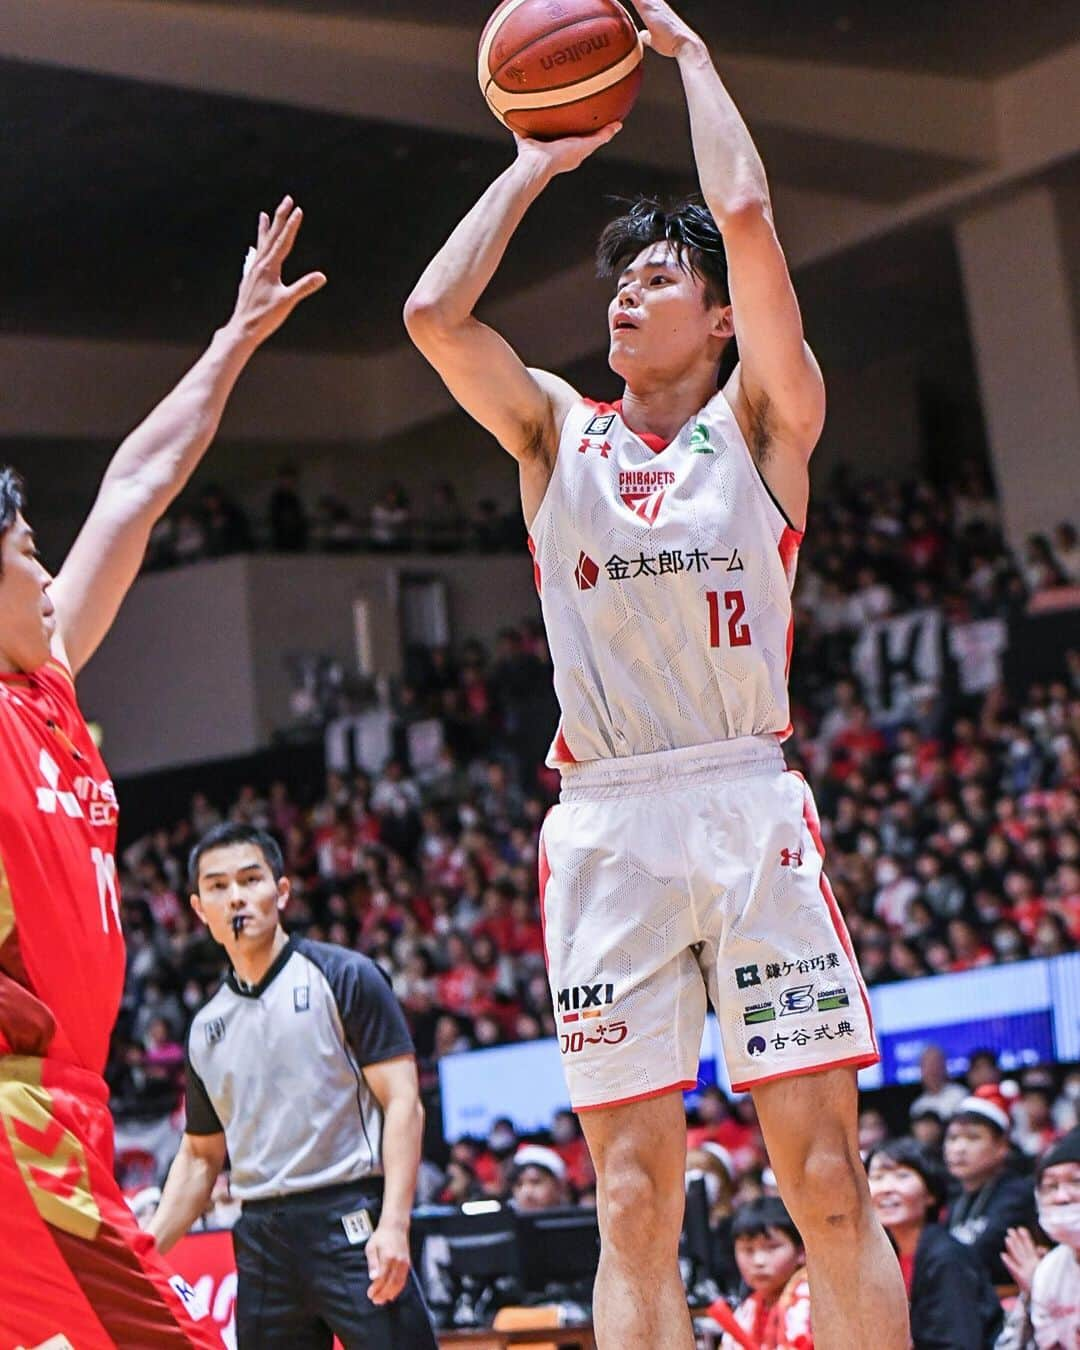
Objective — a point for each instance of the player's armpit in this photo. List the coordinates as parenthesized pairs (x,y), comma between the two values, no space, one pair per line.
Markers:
(777,367)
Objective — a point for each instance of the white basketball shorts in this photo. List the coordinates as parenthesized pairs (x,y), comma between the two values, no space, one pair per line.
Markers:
(668,877)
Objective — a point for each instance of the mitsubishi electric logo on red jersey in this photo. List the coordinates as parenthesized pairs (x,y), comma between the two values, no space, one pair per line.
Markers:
(642,490)
(90,800)
(52,797)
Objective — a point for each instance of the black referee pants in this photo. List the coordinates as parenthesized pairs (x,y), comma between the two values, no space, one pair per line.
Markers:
(301,1282)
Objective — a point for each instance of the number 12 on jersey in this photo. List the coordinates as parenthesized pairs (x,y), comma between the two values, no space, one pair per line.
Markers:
(734,606)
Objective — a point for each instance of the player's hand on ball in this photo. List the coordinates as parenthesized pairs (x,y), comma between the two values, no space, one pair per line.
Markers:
(665,32)
(387,1253)
(265,301)
(568,152)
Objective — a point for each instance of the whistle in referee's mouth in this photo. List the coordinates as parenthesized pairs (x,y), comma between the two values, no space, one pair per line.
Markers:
(238,924)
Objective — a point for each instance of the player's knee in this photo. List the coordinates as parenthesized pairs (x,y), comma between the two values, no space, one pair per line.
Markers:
(639,1214)
(829,1193)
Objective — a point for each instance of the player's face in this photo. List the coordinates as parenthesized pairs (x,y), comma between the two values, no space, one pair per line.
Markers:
(27,620)
(899,1194)
(236,883)
(660,323)
(768,1260)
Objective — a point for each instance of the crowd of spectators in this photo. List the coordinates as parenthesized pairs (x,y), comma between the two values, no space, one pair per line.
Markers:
(953,830)
(951,815)
(875,547)
(214,525)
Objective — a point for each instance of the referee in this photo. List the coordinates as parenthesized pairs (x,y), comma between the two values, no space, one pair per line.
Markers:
(301,1068)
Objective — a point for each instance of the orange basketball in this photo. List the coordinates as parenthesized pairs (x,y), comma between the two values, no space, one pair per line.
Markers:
(551,68)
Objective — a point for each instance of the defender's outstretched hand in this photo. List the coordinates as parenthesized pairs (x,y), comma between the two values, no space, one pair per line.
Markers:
(265,301)
(665,32)
(568,152)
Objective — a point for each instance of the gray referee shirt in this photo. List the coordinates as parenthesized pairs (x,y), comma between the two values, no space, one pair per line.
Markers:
(279,1067)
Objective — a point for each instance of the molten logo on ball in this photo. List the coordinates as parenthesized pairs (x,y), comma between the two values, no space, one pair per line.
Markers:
(552,68)
(577,52)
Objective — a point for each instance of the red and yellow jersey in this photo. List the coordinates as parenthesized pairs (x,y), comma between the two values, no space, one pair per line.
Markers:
(61,948)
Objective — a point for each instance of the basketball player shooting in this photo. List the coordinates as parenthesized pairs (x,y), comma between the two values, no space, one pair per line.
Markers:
(72,1261)
(681,859)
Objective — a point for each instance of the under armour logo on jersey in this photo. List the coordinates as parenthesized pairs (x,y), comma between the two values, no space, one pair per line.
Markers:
(586,444)
(586,573)
(49,798)
(791,857)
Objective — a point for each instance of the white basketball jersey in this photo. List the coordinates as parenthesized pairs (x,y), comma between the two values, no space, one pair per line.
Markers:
(665,580)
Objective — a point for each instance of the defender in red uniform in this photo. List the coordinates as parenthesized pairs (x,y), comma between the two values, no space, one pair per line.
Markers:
(73,1263)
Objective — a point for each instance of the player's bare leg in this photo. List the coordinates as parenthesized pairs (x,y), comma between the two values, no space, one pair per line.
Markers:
(639,1152)
(856,1287)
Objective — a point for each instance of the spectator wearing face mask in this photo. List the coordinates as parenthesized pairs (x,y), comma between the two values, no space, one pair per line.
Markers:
(1055,1289)
(1047,1315)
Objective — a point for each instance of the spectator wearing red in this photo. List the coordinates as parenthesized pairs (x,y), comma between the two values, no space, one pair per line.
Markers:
(952,1301)
(771,1260)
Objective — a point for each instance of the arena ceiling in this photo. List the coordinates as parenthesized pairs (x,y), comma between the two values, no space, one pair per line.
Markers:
(142,136)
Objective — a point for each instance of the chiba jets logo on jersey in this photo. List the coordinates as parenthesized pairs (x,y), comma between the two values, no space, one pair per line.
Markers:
(643,490)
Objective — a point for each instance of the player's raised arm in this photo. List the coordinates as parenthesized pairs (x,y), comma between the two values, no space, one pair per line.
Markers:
(779,381)
(159,456)
(517,405)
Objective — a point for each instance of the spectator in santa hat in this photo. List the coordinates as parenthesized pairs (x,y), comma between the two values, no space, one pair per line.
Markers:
(537,1179)
(989,1198)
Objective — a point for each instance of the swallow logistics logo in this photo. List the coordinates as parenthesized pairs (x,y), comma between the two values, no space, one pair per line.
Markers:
(699,441)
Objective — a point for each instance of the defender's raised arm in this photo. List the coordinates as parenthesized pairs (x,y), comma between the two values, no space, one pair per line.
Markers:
(154,463)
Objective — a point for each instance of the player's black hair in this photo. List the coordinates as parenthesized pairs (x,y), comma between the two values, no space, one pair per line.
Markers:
(12,498)
(755,1218)
(909,1153)
(227,833)
(688,226)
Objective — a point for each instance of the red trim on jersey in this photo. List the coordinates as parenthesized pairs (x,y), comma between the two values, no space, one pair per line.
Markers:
(537,580)
(544,876)
(684,1086)
(855,1062)
(563,753)
(649,438)
(840,927)
(788,546)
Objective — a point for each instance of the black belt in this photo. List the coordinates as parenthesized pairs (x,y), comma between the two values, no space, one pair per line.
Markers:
(366,1188)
